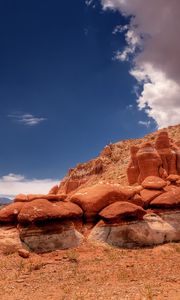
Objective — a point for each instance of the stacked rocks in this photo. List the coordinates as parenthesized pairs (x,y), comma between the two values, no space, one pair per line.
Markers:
(134,215)
(159,159)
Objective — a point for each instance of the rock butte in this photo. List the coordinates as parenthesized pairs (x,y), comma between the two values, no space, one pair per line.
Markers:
(96,194)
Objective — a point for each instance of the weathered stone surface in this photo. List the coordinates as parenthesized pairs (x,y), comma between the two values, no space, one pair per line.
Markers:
(122,210)
(21,198)
(149,161)
(167,154)
(95,198)
(70,185)
(153,182)
(173,178)
(178,160)
(167,200)
(23,253)
(9,213)
(133,168)
(54,189)
(149,195)
(152,230)
(160,159)
(137,199)
(69,210)
(170,187)
(31,197)
(50,197)
(9,240)
(51,236)
(41,210)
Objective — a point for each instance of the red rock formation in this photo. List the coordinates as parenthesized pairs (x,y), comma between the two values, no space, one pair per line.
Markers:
(167,154)
(43,210)
(95,198)
(54,190)
(9,213)
(148,195)
(149,161)
(121,210)
(153,182)
(133,168)
(160,159)
(167,200)
(31,197)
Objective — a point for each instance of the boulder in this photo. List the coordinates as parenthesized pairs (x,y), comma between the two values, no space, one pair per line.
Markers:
(50,197)
(54,190)
(50,236)
(9,240)
(9,213)
(21,198)
(23,253)
(149,195)
(122,210)
(71,185)
(170,187)
(152,230)
(69,210)
(173,178)
(167,200)
(154,182)
(93,199)
(137,200)
(43,210)
(149,161)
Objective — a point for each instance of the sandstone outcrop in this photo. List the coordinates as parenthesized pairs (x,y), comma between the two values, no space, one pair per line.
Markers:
(160,159)
(152,230)
(9,213)
(50,236)
(153,182)
(121,211)
(167,200)
(94,195)
(95,198)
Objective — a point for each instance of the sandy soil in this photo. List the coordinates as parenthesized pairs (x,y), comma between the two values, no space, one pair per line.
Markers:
(93,272)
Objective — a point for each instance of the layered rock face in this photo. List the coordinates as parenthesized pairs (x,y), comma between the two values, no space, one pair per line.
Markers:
(161,158)
(145,213)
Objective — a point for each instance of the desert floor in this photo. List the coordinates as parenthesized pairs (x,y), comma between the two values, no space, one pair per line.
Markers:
(93,272)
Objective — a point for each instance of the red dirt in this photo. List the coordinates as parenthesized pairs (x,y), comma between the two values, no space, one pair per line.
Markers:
(93,272)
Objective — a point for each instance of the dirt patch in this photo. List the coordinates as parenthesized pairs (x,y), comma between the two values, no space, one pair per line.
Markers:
(93,272)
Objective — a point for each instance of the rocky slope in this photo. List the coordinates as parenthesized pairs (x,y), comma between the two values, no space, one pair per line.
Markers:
(111,164)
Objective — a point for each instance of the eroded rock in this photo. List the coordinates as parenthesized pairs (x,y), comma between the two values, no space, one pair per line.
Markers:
(153,230)
(122,210)
(50,236)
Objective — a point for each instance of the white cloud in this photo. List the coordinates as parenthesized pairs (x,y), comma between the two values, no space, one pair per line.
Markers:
(154,31)
(89,2)
(129,107)
(145,123)
(13,184)
(26,119)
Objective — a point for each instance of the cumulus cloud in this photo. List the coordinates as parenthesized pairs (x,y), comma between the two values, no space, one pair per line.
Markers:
(13,184)
(154,46)
(26,119)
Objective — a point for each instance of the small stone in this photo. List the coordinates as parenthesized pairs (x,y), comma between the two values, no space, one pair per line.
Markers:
(23,253)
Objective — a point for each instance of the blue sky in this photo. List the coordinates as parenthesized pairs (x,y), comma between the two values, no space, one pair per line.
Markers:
(63,96)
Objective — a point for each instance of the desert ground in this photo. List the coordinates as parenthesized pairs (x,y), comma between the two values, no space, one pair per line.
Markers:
(93,272)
